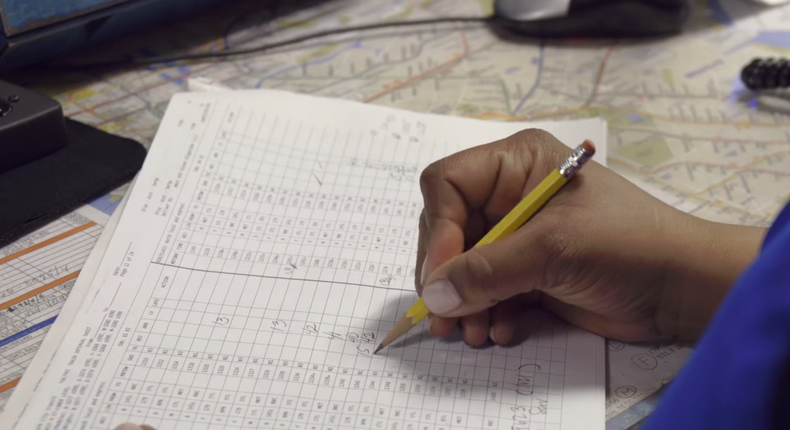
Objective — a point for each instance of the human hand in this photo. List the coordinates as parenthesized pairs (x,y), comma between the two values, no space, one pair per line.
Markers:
(602,254)
(130,426)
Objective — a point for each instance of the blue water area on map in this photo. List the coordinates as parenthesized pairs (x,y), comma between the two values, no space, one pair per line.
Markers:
(777,38)
(106,204)
(635,117)
(773,38)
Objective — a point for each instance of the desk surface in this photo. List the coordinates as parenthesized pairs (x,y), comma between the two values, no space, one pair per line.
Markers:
(680,121)
(678,114)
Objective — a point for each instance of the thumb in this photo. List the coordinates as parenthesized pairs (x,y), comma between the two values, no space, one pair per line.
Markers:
(485,275)
(130,426)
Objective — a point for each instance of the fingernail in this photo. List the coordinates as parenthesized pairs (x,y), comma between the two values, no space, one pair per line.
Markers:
(128,426)
(491,335)
(440,297)
(425,271)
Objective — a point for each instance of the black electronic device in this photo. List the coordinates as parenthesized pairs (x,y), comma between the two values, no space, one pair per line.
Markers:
(31,126)
(51,165)
(591,18)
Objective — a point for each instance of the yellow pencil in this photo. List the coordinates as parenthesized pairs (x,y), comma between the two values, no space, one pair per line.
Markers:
(510,223)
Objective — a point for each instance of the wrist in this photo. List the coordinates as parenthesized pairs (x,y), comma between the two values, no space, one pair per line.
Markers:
(702,266)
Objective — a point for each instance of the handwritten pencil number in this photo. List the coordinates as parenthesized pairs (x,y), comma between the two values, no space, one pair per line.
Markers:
(386,280)
(279,325)
(332,335)
(521,420)
(222,320)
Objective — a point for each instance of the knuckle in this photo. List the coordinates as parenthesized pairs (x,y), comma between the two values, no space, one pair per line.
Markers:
(540,144)
(429,184)
(431,175)
(534,134)
(533,138)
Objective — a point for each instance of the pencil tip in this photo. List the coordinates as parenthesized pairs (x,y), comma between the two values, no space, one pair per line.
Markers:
(381,346)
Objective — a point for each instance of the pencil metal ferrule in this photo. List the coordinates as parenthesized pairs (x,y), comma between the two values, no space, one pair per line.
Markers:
(574,162)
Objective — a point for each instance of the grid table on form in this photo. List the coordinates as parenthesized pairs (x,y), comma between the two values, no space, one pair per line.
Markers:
(36,277)
(268,256)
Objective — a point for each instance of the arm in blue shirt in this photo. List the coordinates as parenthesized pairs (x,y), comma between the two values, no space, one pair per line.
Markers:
(739,375)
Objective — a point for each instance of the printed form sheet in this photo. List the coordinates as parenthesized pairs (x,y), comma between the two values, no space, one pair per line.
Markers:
(267,246)
(37,274)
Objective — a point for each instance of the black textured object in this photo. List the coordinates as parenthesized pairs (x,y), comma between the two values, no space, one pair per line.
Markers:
(31,126)
(91,164)
(766,74)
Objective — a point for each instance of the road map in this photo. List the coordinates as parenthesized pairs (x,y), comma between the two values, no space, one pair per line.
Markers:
(680,123)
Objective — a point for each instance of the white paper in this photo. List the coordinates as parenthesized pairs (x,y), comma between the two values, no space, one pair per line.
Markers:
(268,244)
(37,273)
(66,314)
(637,371)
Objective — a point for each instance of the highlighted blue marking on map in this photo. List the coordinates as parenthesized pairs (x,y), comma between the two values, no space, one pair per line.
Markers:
(537,61)
(636,118)
(739,98)
(355,45)
(737,48)
(738,95)
(106,204)
(27,331)
(705,68)
(179,81)
(718,13)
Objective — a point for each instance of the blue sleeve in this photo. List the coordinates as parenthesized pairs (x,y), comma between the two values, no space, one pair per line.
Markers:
(739,375)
